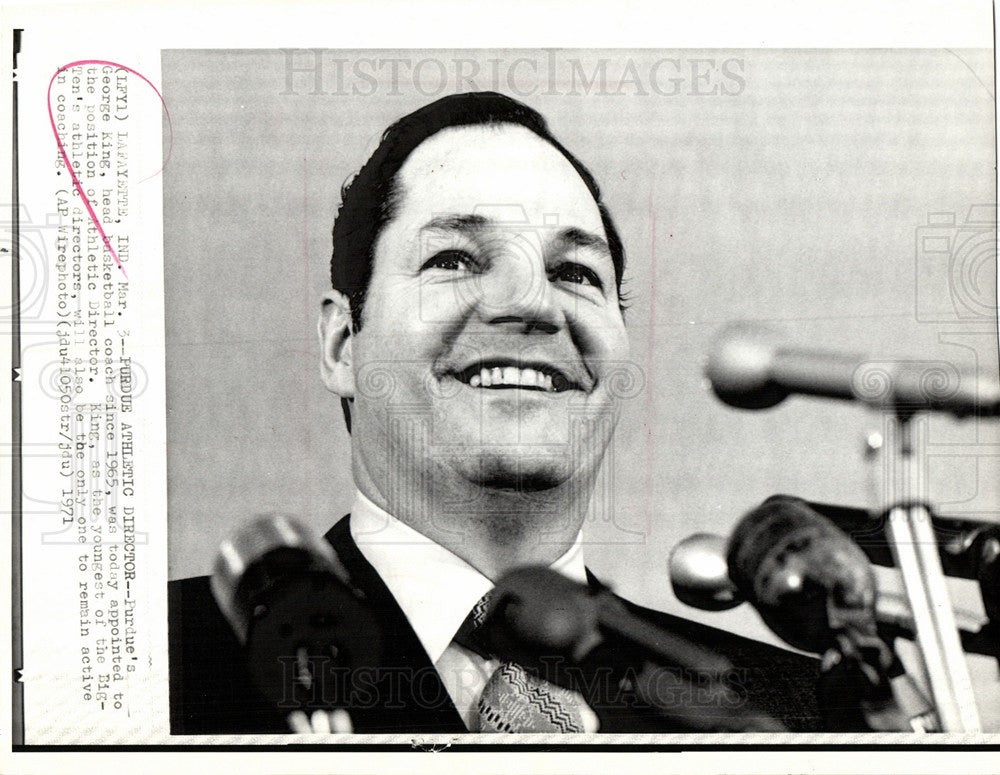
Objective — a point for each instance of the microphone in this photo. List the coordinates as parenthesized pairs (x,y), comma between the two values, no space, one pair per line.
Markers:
(815,588)
(968,548)
(700,576)
(535,608)
(588,641)
(749,369)
(793,566)
(295,610)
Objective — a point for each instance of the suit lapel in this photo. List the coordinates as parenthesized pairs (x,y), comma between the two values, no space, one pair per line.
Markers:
(404,691)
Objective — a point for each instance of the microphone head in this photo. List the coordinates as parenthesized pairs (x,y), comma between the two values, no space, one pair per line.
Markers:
(293,607)
(535,612)
(739,367)
(699,574)
(796,568)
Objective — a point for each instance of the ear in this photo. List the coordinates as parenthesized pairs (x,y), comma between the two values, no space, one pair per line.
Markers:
(335,337)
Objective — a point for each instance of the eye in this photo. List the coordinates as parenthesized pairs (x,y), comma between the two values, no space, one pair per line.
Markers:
(451,260)
(578,274)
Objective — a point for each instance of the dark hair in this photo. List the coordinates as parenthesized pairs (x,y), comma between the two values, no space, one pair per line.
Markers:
(369,200)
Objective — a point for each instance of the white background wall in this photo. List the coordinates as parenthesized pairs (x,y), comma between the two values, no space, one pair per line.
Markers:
(795,201)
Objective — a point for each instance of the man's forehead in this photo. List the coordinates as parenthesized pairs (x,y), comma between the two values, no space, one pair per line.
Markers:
(497,172)
(509,217)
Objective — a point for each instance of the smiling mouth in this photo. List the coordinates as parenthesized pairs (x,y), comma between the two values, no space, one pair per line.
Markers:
(499,375)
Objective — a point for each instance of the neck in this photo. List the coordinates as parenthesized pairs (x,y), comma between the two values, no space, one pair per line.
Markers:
(494,529)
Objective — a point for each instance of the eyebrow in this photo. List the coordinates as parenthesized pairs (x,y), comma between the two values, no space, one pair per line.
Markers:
(473,224)
(468,224)
(584,239)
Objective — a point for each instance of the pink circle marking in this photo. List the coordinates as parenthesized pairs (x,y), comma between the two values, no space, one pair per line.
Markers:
(65,156)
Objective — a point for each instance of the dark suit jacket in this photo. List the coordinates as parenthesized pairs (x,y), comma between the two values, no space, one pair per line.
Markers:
(211,691)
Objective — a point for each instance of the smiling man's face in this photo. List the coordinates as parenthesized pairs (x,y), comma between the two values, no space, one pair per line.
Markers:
(493,313)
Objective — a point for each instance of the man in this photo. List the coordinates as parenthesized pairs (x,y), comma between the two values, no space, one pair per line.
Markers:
(473,332)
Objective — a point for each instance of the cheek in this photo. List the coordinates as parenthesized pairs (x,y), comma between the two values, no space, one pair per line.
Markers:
(617,337)
(404,332)
(411,302)
(601,334)
(441,303)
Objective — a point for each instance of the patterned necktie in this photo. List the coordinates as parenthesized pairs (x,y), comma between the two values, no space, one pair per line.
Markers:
(513,699)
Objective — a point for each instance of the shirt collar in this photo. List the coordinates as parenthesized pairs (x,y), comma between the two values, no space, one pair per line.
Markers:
(435,588)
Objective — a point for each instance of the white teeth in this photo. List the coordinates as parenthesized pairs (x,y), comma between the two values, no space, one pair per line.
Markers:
(511,375)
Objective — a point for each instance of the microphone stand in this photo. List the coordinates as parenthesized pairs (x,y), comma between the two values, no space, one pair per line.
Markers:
(915,551)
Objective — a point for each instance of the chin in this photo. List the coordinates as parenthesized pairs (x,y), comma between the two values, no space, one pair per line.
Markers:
(517,470)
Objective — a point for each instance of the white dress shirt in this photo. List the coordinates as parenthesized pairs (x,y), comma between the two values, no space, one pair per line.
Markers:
(436,589)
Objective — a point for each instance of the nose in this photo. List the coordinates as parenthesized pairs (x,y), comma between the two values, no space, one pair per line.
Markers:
(516,291)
